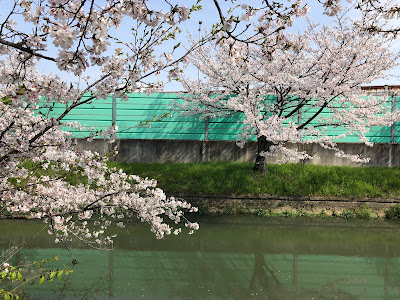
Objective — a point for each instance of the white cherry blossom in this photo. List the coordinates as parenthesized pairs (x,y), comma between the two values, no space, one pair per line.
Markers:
(319,70)
(37,158)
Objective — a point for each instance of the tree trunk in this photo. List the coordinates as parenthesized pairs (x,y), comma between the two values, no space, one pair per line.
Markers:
(263,145)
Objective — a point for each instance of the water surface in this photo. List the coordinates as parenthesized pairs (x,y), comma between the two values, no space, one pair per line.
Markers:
(230,257)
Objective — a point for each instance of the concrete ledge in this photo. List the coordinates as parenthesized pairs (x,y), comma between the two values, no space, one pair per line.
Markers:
(313,206)
(383,155)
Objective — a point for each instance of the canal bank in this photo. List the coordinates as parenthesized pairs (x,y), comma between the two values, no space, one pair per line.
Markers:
(294,206)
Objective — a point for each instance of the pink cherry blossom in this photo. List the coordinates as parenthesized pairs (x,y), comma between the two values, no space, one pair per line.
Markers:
(319,70)
(31,134)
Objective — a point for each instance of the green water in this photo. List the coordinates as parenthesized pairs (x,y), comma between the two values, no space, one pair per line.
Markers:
(230,257)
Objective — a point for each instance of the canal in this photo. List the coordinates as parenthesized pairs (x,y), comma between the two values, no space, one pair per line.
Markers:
(230,257)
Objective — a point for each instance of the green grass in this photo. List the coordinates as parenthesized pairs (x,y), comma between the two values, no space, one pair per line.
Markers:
(393,212)
(362,212)
(228,178)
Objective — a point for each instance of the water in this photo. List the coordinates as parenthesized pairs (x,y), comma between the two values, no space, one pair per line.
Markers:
(230,257)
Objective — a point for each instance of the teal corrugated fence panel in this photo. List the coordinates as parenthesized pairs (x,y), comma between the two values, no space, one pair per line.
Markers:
(95,116)
(151,117)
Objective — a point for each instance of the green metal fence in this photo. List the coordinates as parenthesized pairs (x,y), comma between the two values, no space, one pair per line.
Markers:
(150,117)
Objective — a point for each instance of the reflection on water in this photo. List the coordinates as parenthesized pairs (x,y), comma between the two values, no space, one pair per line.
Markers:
(228,258)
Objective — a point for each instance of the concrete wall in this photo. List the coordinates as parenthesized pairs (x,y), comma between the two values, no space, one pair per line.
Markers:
(386,155)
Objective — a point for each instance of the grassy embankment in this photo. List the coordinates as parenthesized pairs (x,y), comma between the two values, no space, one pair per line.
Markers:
(288,180)
(297,180)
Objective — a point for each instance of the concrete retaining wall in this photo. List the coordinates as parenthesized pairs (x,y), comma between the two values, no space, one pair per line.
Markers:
(385,155)
(244,205)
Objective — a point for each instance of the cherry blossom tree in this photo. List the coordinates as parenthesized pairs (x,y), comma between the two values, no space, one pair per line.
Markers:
(318,71)
(43,174)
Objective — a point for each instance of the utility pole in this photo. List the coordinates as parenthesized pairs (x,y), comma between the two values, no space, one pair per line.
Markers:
(198,71)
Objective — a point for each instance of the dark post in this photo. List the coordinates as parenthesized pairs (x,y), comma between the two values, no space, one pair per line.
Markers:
(393,128)
(114,110)
(207,125)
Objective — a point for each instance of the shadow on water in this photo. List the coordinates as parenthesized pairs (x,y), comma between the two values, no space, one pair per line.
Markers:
(230,257)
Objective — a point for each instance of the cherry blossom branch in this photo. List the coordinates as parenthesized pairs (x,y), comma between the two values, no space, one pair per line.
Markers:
(25,49)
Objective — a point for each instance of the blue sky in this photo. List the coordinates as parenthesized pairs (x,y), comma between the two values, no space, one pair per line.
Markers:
(208,16)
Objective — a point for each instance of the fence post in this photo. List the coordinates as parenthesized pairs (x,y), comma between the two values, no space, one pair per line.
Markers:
(207,125)
(114,110)
(204,152)
(300,117)
(393,127)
